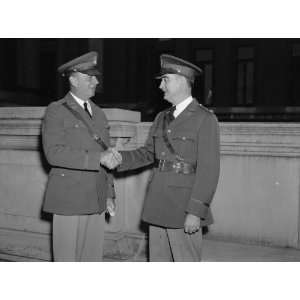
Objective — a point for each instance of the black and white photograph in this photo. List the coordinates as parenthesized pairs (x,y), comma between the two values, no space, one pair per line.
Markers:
(225,168)
(177,150)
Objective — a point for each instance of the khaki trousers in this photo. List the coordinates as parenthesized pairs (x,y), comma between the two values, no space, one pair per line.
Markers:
(174,244)
(78,238)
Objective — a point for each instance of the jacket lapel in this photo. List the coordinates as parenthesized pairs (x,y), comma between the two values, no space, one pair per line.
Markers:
(74,105)
(97,123)
(186,114)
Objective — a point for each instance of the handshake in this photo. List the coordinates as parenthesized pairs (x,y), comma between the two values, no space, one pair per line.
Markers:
(110,158)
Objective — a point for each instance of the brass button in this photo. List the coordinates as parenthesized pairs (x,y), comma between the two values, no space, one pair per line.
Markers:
(163,153)
(76,125)
(184,138)
(169,130)
(62,174)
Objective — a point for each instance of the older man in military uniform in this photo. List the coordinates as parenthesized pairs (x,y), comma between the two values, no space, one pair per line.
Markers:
(75,137)
(183,145)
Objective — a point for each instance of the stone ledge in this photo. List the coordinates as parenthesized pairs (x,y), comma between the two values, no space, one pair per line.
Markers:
(25,113)
(17,245)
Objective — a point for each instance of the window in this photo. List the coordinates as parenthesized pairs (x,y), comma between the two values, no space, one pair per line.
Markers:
(295,74)
(204,59)
(245,76)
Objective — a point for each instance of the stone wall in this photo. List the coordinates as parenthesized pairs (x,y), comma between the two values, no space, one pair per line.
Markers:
(257,199)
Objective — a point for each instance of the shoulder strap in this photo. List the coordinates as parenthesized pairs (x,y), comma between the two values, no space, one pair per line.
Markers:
(79,117)
(167,141)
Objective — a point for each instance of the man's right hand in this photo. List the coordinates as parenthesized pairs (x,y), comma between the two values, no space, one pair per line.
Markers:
(110,158)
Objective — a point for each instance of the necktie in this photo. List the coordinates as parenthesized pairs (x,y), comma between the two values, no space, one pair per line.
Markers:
(170,114)
(86,109)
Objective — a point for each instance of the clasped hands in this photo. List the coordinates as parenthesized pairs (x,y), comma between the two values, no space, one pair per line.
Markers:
(110,158)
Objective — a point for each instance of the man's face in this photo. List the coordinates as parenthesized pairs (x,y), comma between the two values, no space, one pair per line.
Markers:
(85,85)
(171,85)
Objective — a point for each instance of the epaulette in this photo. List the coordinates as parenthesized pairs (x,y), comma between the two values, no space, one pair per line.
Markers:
(206,109)
(59,102)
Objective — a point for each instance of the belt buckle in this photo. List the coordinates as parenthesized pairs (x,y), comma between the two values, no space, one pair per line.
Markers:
(177,166)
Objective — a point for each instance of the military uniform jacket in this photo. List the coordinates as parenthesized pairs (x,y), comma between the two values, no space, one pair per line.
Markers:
(77,183)
(194,135)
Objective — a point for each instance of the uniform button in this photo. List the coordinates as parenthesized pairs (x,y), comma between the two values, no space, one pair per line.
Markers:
(163,153)
(169,130)
(62,174)
(76,125)
(184,138)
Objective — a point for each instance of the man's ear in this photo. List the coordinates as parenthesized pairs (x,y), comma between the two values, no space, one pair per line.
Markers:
(73,80)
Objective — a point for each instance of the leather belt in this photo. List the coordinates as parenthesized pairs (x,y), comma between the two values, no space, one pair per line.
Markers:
(175,166)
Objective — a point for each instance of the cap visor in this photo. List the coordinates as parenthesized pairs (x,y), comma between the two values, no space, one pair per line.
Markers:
(159,77)
(164,72)
(91,72)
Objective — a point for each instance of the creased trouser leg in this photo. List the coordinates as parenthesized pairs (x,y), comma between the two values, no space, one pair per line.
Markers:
(185,247)
(159,247)
(78,238)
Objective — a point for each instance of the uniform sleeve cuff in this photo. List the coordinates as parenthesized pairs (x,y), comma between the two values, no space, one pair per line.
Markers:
(197,208)
(125,158)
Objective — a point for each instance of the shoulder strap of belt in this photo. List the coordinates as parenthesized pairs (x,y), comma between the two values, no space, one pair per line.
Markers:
(90,130)
(167,141)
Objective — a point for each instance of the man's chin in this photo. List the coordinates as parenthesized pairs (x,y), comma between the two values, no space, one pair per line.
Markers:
(92,94)
(167,99)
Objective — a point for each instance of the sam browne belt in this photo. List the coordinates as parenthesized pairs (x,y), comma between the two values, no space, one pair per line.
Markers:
(178,166)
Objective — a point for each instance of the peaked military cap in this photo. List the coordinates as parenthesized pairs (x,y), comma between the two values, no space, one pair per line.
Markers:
(85,64)
(174,65)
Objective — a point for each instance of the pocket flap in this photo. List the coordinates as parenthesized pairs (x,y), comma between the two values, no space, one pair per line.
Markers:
(184,135)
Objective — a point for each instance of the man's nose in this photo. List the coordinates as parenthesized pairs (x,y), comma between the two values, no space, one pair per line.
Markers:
(96,81)
(161,86)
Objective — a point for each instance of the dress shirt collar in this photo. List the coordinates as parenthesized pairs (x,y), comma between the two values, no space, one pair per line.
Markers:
(182,106)
(80,101)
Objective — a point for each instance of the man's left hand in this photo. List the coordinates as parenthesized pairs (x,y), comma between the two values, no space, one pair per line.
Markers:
(191,224)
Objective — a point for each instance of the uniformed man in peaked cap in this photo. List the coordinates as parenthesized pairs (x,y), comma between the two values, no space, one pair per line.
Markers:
(183,146)
(85,64)
(75,138)
(174,65)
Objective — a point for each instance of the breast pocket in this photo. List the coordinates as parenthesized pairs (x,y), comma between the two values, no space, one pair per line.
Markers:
(73,125)
(76,134)
(186,144)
